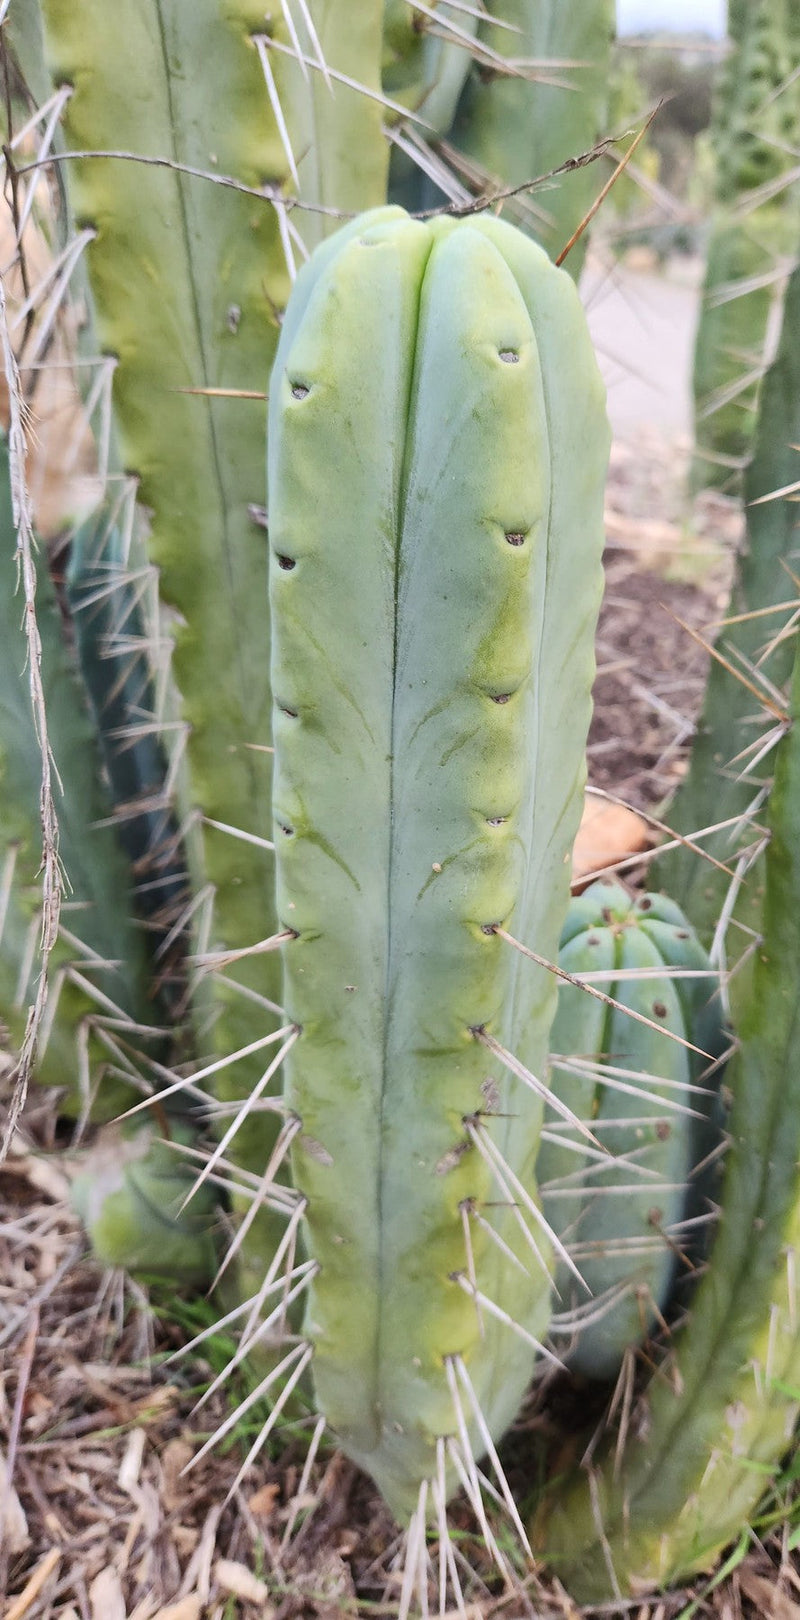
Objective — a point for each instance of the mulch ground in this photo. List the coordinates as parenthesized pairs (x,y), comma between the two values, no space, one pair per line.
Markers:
(96,1429)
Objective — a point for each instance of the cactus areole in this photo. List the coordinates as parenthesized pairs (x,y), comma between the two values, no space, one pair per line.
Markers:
(437,452)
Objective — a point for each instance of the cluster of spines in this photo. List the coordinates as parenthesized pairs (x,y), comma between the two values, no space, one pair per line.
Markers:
(752,240)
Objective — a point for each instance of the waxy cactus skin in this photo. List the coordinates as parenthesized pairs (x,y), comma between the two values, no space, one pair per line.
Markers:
(435,475)
(623,1223)
(722,1408)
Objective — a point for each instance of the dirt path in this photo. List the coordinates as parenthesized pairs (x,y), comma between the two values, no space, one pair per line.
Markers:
(643,327)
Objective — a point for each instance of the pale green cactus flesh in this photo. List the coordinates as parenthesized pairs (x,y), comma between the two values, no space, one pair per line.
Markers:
(437,449)
(721,1412)
(623,1222)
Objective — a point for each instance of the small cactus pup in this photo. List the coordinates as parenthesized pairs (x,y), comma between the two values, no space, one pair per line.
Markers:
(662,1503)
(437,453)
(132,1193)
(628,1220)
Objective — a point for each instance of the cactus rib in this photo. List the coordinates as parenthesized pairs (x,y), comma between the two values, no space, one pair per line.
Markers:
(419,455)
(721,1413)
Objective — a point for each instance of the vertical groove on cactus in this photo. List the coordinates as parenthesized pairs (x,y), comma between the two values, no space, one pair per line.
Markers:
(431,467)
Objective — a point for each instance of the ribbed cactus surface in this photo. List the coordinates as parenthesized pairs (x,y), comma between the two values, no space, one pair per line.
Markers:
(437,448)
(100,974)
(539,99)
(752,237)
(721,1412)
(725,781)
(641,1088)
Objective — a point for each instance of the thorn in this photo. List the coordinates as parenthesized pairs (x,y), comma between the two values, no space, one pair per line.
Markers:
(263,44)
(759,693)
(600,198)
(288,1130)
(302,1487)
(237,832)
(503,1316)
(491,1450)
(301,1351)
(415,1571)
(510,1185)
(221,959)
(221,393)
(571,978)
(210,1068)
(538,1087)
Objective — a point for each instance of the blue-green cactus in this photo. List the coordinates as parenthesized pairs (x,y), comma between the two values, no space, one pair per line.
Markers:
(435,476)
(645,1093)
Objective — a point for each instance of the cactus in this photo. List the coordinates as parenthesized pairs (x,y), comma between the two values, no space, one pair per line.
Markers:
(726,779)
(426,59)
(649,1101)
(100,973)
(720,1413)
(186,279)
(112,639)
(436,456)
(549,104)
(752,238)
(432,460)
(130,1193)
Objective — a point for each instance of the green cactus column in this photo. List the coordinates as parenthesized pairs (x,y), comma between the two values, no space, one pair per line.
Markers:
(436,473)
(550,104)
(188,279)
(725,778)
(754,127)
(99,970)
(721,1413)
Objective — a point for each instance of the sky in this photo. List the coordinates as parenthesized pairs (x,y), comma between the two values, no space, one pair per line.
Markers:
(680,16)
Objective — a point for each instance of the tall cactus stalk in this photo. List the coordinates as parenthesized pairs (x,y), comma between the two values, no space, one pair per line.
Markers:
(725,785)
(753,236)
(99,972)
(721,1412)
(187,279)
(538,98)
(432,460)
